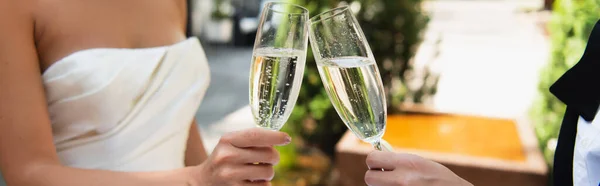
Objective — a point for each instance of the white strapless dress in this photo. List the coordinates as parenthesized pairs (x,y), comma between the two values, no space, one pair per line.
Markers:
(126,109)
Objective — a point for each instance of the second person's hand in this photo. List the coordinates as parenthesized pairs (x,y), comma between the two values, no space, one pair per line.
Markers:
(408,170)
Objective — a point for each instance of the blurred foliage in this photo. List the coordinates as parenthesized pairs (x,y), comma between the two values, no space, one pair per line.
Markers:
(221,10)
(570,27)
(393,29)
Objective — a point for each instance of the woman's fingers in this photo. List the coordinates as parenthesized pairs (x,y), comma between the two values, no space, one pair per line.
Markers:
(381,160)
(248,173)
(246,157)
(394,161)
(258,173)
(383,178)
(256,137)
(229,155)
(257,183)
(408,170)
(260,155)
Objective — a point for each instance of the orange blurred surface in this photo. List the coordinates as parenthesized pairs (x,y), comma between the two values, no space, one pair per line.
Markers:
(465,135)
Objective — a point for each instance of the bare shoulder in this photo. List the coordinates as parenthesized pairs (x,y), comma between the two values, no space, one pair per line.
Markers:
(15,18)
(10,9)
(17,26)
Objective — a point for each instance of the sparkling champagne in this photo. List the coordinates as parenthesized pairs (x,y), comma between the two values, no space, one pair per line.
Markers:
(274,84)
(355,90)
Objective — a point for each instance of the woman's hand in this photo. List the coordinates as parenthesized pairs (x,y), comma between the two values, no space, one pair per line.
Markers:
(408,170)
(242,158)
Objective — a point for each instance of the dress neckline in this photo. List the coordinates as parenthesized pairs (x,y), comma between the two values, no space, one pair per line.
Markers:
(88,50)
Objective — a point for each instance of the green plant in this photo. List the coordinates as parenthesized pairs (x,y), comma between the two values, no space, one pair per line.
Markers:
(219,10)
(570,27)
(393,29)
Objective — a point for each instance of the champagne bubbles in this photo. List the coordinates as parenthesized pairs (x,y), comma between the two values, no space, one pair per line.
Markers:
(274,86)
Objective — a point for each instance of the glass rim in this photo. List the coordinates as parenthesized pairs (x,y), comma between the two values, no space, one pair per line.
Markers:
(270,7)
(317,18)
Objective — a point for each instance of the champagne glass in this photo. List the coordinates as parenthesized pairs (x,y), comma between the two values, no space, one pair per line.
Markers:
(349,73)
(278,63)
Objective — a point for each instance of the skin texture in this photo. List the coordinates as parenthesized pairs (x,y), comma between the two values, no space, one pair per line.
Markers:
(36,33)
(195,153)
(408,170)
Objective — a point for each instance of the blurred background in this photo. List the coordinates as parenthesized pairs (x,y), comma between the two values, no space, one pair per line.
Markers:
(466,81)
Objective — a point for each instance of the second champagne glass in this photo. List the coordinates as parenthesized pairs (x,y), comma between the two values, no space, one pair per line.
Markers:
(278,63)
(349,73)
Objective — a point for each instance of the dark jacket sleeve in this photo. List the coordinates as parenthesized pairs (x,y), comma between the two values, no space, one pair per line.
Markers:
(579,89)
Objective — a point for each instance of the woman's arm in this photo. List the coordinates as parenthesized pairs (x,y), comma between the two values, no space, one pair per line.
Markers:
(195,153)
(27,152)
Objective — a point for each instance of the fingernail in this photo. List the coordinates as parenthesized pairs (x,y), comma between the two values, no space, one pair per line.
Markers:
(288,139)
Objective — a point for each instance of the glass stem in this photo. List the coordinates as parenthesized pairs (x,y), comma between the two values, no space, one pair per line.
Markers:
(382,145)
(377,145)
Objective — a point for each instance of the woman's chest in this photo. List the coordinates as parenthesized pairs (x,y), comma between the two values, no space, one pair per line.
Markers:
(66,26)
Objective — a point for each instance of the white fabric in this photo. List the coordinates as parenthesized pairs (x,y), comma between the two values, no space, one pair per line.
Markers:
(586,158)
(126,109)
